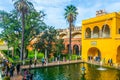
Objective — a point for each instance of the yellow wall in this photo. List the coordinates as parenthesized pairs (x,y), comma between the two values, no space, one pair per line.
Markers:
(107,46)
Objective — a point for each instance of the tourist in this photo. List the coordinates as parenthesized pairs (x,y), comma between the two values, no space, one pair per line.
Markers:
(3,63)
(111,62)
(30,63)
(28,76)
(31,76)
(35,62)
(94,58)
(3,72)
(43,61)
(25,74)
(18,68)
(6,70)
(108,61)
(12,70)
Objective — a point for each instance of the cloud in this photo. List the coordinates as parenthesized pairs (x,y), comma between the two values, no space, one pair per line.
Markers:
(55,9)
(89,11)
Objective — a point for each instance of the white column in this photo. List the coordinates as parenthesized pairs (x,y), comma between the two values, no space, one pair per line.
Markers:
(45,53)
(91,34)
(100,34)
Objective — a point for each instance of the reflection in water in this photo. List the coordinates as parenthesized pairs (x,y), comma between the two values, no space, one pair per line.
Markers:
(83,77)
(73,72)
(101,68)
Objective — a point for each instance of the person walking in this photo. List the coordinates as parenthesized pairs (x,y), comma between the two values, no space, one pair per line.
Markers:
(18,68)
(12,70)
(111,62)
(30,63)
(43,61)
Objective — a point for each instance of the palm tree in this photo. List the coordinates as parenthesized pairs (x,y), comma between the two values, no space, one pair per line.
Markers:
(70,15)
(23,7)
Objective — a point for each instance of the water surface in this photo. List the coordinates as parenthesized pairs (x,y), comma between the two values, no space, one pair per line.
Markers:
(73,72)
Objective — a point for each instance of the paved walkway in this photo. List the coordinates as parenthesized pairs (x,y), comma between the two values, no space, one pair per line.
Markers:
(115,66)
(19,77)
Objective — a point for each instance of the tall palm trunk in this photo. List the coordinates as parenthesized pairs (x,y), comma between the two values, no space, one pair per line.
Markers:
(70,39)
(23,28)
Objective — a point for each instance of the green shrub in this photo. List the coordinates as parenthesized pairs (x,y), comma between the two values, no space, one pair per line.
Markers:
(27,62)
(51,59)
(73,57)
(6,78)
(40,55)
(30,54)
(79,57)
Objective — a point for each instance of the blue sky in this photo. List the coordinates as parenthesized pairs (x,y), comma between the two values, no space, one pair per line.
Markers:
(55,9)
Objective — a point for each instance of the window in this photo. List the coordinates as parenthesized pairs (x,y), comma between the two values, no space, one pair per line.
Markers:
(95,32)
(105,31)
(88,33)
(119,31)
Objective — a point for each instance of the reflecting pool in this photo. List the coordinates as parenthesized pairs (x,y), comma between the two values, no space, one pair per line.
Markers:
(73,72)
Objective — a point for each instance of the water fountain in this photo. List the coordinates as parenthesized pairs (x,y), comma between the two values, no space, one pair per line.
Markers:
(101,68)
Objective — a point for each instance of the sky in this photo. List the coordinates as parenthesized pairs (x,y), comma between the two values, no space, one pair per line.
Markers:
(55,9)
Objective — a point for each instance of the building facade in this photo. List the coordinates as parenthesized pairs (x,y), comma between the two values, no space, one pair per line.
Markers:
(75,41)
(101,37)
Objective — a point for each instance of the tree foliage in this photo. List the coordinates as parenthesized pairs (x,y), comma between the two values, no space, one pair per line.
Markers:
(59,47)
(46,40)
(23,7)
(11,27)
(70,15)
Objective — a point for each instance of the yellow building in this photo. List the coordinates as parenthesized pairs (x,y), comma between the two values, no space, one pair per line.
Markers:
(101,37)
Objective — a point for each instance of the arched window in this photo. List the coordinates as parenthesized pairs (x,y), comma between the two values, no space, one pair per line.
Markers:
(88,33)
(95,32)
(119,31)
(105,31)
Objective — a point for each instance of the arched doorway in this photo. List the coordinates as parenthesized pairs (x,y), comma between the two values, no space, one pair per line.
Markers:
(76,49)
(94,54)
(68,48)
(118,55)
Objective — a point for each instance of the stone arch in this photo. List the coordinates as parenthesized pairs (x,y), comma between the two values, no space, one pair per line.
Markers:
(76,49)
(96,32)
(105,31)
(88,33)
(62,36)
(76,35)
(94,54)
(118,55)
